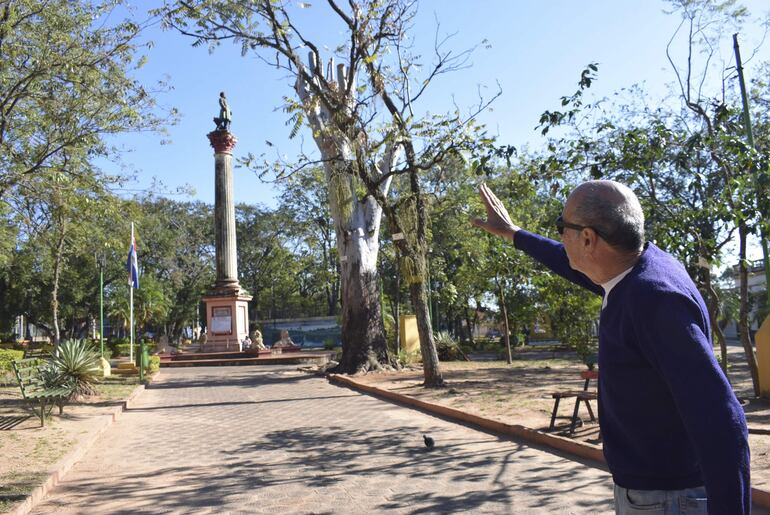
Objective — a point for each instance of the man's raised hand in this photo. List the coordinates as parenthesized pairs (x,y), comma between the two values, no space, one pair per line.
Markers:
(498,221)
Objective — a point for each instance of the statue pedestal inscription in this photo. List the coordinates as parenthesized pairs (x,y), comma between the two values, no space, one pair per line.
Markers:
(227,319)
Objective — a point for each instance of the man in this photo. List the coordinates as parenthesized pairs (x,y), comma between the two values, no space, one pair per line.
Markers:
(671,424)
(225,115)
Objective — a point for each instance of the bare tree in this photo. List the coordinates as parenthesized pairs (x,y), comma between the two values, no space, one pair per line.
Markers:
(362,116)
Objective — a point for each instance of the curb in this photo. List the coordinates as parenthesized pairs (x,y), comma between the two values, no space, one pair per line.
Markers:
(59,470)
(589,451)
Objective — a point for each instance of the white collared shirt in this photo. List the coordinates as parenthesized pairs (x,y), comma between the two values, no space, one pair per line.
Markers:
(609,285)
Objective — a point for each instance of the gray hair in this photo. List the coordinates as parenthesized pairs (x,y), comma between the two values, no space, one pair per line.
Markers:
(614,210)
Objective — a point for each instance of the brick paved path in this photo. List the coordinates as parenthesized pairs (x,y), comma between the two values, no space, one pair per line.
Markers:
(272,440)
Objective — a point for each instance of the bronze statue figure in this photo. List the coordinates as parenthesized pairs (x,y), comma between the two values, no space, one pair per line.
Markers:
(225,115)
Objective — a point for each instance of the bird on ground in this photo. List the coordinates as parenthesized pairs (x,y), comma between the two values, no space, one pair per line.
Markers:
(430,443)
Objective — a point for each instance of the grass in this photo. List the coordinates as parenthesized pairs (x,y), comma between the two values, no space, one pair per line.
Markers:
(116,387)
(15,487)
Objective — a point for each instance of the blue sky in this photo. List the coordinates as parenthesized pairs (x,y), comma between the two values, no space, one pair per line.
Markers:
(536,52)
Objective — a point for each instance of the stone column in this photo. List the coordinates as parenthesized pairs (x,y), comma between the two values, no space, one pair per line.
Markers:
(227,304)
(224,212)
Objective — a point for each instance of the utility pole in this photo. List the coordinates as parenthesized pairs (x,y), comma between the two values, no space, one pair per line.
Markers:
(101,304)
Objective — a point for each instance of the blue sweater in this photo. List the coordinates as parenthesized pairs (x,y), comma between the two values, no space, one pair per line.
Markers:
(669,418)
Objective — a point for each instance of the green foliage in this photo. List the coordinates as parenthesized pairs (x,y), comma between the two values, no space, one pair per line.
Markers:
(407,358)
(154,364)
(77,365)
(447,347)
(8,355)
(65,82)
(121,349)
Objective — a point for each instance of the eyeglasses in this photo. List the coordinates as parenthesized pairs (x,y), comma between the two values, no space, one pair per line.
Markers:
(561,225)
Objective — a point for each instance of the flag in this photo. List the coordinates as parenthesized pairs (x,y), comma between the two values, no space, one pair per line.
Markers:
(132,265)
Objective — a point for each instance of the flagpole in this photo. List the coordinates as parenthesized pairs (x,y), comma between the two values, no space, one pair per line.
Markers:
(131,302)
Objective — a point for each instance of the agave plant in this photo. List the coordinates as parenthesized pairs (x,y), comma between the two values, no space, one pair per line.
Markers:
(77,366)
(447,347)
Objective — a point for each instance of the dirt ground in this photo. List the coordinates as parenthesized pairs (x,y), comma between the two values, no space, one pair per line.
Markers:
(520,393)
(28,450)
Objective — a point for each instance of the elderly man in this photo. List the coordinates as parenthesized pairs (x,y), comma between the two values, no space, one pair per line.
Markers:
(675,436)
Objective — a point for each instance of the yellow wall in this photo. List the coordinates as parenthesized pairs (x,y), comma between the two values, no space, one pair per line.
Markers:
(762,339)
(410,339)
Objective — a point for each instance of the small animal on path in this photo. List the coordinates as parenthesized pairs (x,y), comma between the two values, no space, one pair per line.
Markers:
(430,443)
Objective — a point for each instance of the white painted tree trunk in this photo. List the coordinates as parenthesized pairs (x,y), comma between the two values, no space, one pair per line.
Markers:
(357,218)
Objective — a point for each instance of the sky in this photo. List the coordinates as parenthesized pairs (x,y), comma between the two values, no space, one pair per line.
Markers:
(534,50)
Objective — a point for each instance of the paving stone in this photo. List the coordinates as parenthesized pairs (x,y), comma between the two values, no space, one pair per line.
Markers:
(272,440)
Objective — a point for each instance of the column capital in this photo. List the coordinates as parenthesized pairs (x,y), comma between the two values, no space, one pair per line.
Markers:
(222,141)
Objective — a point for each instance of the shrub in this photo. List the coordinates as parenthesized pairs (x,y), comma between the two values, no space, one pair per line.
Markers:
(407,358)
(8,355)
(121,349)
(447,347)
(77,366)
(154,364)
(115,345)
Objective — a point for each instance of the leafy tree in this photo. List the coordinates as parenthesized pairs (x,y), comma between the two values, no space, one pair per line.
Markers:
(267,262)
(176,253)
(65,84)
(59,216)
(305,199)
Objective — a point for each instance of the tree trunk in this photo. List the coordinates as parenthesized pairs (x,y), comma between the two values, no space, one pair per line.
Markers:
(469,326)
(713,308)
(430,363)
(364,346)
(506,330)
(58,257)
(356,224)
(744,309)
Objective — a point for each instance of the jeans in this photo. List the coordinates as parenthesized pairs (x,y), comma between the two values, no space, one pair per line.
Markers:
(660,502)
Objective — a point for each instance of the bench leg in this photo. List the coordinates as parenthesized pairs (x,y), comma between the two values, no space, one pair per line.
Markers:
(574,416)
(553,415)
(590,411)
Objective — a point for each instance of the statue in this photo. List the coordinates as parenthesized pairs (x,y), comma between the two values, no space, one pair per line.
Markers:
(257,340)
(285,341)
(225,115)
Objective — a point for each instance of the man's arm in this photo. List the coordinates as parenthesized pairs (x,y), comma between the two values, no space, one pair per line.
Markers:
(548,252)
(551,253)
(673,338)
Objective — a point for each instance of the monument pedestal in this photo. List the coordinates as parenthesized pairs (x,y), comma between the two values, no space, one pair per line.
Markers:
(227,320)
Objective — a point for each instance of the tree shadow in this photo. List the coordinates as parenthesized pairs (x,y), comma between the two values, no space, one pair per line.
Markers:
(355,455)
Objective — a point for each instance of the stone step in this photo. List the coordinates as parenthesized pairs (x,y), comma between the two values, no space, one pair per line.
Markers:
(315,358)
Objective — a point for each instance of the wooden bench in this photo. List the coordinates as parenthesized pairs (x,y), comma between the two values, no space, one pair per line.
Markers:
(34,392)
(585,395)
(36,353)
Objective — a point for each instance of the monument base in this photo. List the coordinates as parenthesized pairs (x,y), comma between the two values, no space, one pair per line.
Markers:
(227,321)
